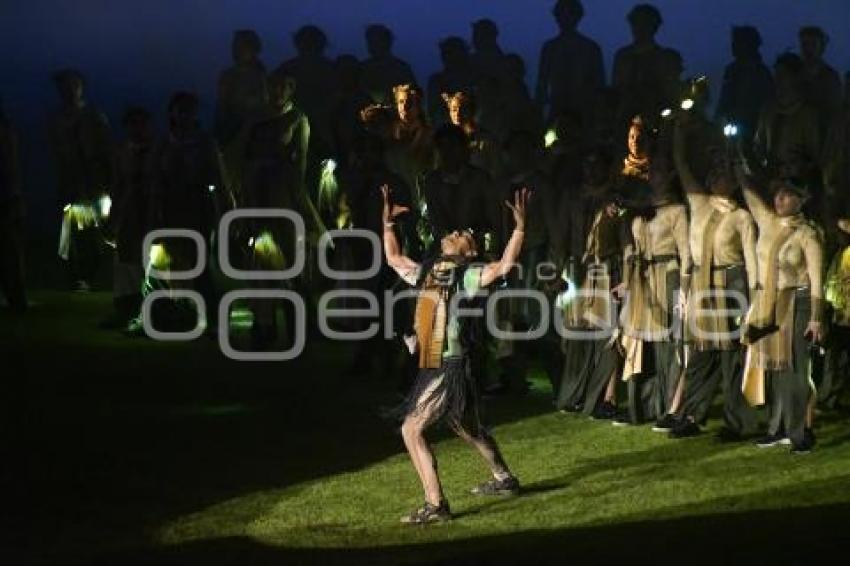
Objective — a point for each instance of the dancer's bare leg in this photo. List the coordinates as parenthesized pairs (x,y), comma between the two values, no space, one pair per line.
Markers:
(412,431)
(489,450)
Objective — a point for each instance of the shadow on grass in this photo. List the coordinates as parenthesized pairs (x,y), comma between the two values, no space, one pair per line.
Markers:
(782,536)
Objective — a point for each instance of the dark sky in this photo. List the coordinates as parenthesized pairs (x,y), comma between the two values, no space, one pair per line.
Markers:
(139,51)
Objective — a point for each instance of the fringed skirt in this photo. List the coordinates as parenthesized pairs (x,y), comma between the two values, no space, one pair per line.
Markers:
(446,394)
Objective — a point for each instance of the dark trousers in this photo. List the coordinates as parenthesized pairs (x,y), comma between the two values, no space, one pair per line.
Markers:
(836,367)
(84,254)
(709,370)
(12,257)
(789,390)
(651,392)
(605,362)
(572,385)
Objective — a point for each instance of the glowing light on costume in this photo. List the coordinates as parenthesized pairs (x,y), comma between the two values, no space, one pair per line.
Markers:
(687,104)
(550,138)
(159,258)
(241,319)
(211,188)
(730,130)
(268,252)
(328,186)
(666,113)
(105,206)
(568,295)
(83,215)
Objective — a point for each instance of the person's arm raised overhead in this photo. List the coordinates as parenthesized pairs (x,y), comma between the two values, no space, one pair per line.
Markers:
(493,271)
(406,268)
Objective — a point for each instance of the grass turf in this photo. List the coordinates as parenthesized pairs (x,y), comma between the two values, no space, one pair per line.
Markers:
(144,452)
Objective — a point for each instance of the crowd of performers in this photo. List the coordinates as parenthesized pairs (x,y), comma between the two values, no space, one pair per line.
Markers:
(640,206)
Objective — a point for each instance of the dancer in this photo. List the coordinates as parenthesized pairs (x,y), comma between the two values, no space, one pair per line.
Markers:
(444,389)
(786,314)
(723,248)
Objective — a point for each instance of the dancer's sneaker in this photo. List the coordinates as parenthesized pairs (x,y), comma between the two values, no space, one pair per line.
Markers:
(806,445)
(622,419)
(665,424)
(428,513)
(507,486)
(773,440)
(605,411)
(574,408)
(685,429)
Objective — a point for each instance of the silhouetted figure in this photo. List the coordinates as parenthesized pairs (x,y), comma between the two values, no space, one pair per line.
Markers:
(349,101)
(361,181)
(316,78)
(836,160)
(644,70)
(241,87)
(275,154)
(383,70)
(747,83)
(563,156)
(571,69)
(131,207)
(11,219)
(591,247)
(836,372)
(701,137)
(188,192)
(487,58)
(460,195)
(456,75)
(82,156)
(820,83)
(274,176)
(788,136)
(508,107)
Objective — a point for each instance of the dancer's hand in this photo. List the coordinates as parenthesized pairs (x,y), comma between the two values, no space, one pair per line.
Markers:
(619,291)
(814,332)
(391,211)
(519,207)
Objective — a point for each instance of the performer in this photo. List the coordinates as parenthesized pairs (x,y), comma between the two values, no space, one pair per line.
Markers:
(723,247)
(444,389)
(837,363)
(482,146)
(82,153)
(785,317)
(130,214)
(656,268)
(186,162)
(591,365)
(12,211)
(274,157)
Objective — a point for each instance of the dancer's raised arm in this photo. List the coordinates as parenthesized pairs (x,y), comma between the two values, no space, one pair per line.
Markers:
(493,271)
(406,268)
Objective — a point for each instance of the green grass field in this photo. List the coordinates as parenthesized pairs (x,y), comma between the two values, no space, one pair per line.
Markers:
(139,452)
